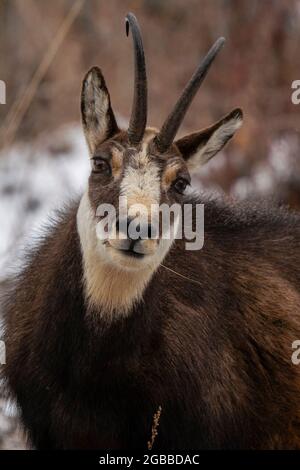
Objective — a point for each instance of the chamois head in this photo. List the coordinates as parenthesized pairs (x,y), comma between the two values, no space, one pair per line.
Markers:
(142,164)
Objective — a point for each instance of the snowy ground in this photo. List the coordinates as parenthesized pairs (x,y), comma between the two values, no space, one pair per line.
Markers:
(34,180)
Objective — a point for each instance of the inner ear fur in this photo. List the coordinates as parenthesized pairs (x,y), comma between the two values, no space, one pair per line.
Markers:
(98,120)
(204,144)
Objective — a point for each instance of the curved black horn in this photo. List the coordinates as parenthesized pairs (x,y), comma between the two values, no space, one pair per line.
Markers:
(138,117)
(170,127)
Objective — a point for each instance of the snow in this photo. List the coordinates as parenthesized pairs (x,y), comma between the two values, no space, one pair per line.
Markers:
(34,181)
(267,177)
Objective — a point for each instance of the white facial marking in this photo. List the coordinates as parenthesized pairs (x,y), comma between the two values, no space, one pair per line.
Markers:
(113,282)
(141,182)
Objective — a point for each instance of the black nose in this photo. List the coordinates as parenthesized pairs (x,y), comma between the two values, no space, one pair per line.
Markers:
(135,231)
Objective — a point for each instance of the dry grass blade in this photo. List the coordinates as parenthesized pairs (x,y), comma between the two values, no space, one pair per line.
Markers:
(154,431)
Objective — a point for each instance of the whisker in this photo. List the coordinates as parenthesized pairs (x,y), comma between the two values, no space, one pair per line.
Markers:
(181,275)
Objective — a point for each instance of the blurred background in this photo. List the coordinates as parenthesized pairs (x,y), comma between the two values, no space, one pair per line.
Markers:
(46,48)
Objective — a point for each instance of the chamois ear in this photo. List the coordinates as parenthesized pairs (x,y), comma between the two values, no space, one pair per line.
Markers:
(198,148)
(98,119)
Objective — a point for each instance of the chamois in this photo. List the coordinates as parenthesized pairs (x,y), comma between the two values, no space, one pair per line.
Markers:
(102,333)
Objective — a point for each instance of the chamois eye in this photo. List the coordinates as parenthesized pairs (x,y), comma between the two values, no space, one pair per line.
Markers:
(180,185)
(99,165)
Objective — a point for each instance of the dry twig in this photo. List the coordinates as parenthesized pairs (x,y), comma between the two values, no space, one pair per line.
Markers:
(18,110)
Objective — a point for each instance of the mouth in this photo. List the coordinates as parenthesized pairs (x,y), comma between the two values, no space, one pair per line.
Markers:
(132,254)
(129,252)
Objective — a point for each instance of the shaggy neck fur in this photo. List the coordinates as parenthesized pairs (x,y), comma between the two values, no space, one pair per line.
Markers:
(107,287)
